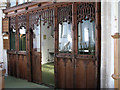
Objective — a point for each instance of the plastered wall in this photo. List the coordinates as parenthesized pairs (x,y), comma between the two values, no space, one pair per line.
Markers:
(47,42)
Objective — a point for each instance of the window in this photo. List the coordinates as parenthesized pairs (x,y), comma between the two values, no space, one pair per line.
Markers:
(36,39)
(22,39)
(86,37)
(12,39)
(22,1)
(17,2)
(65,37)
(12,3)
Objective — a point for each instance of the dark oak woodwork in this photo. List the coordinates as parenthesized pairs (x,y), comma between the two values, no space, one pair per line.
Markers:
(84,69)
(72,70)
(22,60)
(13,22)
(36,67)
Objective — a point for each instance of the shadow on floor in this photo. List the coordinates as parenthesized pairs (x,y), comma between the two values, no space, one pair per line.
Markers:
(12,82)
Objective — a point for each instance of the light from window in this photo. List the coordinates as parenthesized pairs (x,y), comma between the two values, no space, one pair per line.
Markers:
(21,1)
(36,39)
(65,37)
(86,37)
(12,3)
(22,39)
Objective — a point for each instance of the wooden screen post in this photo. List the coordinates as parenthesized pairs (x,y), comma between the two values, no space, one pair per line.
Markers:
(116,75)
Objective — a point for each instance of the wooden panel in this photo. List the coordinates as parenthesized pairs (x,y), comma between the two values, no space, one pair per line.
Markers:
(69,74)
(91,75)
(60,73)
(6,42)
(12,65)
(36,67)
(22,62)
(80,74)
(5,25)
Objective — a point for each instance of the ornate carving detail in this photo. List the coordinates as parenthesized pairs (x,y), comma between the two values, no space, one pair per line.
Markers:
(33,19)
(22,20)
(85,11)
(47,16)
(13,23)
(65,14)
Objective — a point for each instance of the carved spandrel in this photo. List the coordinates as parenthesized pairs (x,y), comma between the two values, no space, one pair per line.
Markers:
(13,23)
(86,11)
(65,14)
(22,21)
(47,16)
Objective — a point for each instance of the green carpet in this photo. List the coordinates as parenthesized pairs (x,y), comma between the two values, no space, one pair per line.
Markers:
(48,73)
(11,82)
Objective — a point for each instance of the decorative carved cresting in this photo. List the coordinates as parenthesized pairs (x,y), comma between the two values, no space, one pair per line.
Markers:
(86,11)
(22,21)
(47,16)
(33,20)
(65,14)
(13,23)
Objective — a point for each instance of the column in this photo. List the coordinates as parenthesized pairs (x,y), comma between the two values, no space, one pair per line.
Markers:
(116,75)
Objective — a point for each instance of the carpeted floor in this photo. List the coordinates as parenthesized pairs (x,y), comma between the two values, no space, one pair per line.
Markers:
(47,78)
(11,82)
(48,73)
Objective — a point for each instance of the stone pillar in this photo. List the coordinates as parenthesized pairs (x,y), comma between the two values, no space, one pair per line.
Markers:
(0,79)
(116,75)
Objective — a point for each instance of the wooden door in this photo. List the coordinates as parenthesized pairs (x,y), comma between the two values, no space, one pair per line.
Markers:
(77,45)
(36,55)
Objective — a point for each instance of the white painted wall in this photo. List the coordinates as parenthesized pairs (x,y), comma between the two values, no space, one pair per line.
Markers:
(109,23)
(3,54)
(47,43)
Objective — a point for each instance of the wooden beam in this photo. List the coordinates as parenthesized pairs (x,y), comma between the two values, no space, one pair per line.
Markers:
(29,60)
(56,45)
(98,39)
(74,39)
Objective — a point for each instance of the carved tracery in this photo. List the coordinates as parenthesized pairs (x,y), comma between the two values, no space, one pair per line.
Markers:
(47,16)
(22,21)
(65,14)
(33,20)
(85,11)
(13,23)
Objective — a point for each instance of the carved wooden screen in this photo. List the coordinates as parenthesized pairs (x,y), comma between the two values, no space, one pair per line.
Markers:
(65,28)
(86,11)
(12,33)
(13,23)
(22,21)
(35,19)
(86,28)
(65,14)
(77,70)
(47,16)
